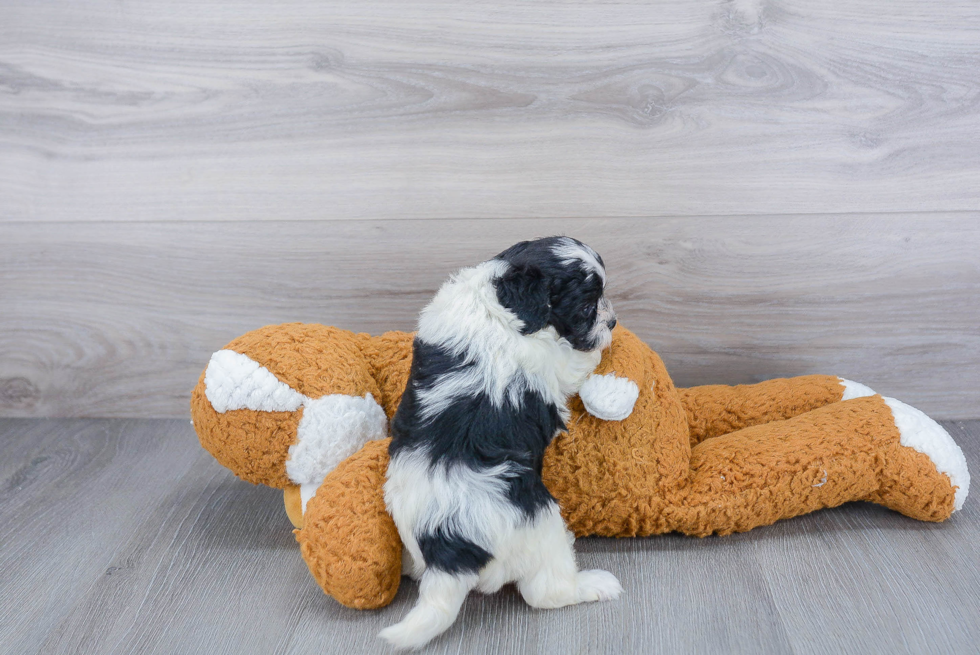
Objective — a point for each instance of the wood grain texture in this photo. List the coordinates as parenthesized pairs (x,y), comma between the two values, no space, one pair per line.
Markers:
(302,109)
(103,319)
(124,536)
(78,490)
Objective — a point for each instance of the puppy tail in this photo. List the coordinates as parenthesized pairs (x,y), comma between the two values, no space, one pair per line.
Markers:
(441,595)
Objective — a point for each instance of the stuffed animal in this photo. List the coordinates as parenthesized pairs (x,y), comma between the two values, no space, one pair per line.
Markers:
(305,408)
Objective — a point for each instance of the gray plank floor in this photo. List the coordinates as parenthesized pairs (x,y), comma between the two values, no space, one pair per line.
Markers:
(121,536)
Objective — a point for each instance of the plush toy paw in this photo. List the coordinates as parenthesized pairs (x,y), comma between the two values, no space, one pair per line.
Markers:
(609,396)
(854,389)
(922,434)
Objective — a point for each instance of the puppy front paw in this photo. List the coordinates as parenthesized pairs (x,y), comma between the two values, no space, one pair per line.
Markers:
(609,396)
(596,584)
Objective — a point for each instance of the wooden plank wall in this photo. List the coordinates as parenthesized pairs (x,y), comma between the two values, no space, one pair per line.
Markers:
(778,188)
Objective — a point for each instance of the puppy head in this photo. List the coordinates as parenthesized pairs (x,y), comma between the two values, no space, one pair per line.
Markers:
(558,282)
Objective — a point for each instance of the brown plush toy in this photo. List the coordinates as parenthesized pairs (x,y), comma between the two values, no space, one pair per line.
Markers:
(305,408)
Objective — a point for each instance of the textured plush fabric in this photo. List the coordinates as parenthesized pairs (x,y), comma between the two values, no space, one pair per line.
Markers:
(706,460)
(254,445)
(346,514)
(838,453)
(611,477)
(315,360)
(717,409)
(389,358)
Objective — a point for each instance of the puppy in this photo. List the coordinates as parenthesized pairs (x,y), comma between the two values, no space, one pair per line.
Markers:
(498,352)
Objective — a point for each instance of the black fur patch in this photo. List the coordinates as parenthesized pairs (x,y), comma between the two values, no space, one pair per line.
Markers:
(452,553)
(573,291)
(525,291)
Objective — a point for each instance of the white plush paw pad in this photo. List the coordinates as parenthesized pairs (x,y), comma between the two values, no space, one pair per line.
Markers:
(596,584)
(235,381)
(854,389)
(332,429)
(924,435)
(609,396)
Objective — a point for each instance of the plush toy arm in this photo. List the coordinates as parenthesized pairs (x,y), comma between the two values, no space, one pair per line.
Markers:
(609,397)
(716,409)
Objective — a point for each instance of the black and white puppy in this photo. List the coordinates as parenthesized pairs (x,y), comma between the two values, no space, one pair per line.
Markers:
(498,352)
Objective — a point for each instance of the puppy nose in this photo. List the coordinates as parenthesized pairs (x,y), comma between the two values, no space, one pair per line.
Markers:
(611,323)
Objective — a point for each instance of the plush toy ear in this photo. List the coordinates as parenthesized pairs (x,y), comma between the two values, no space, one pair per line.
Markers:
(523,289)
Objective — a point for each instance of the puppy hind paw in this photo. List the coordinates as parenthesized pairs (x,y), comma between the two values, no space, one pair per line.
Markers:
(596,584)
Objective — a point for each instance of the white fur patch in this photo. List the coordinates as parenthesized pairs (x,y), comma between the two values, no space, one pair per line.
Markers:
(440,597)
(854,389)
(333,427)
(924,435)
(540,557)
(235,381)
(609,396)
(570,252)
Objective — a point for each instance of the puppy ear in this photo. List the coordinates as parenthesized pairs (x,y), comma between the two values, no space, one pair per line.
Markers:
(523,289)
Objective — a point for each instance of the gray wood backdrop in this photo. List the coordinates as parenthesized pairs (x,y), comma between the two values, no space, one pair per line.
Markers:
(778,188)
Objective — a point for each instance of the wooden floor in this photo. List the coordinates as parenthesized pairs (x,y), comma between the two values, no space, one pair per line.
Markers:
(123,535)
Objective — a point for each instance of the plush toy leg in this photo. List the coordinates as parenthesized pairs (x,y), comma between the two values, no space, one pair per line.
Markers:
(716,409)
(348,539)
(858,449)
(920,435)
